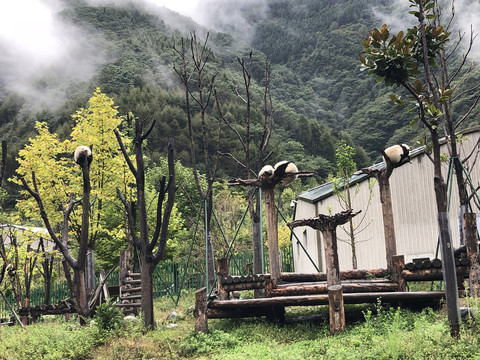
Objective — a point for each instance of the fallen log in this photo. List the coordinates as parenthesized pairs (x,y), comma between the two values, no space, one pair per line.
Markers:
(344,275)
(322,288)
(430,274)
(322,299)
(244,286)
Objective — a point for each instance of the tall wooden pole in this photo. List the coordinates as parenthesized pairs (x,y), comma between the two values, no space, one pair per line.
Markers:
(388,221)
(331,256)
(272,233)
(449,275)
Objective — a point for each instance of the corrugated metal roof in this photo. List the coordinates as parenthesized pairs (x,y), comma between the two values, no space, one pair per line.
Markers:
(325,190)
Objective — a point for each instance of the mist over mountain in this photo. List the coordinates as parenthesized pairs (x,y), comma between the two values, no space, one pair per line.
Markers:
(55,55)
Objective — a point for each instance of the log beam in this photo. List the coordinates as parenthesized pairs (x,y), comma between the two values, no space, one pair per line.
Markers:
(336,309)
(201,324)
(344,275)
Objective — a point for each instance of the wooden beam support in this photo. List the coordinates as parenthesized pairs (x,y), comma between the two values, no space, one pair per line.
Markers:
(322,288)
(222,272)
(344,275)
(272,233)
(336,309)
(353,298)
(201,321)
(431,274)
(398,265)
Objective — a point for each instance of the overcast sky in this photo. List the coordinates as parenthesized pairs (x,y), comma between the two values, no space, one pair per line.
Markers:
(33,41)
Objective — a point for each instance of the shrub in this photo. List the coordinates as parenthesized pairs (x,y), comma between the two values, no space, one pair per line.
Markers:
(108,316)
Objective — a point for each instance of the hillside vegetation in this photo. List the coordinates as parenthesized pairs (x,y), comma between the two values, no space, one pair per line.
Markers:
(320,94)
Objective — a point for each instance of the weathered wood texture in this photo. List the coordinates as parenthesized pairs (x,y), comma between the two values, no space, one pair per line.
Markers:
(322,299)
(398,265)
(336,309)
(322,288)
(327,224)
(272,233)
(344,275)
(201,324)
(471,238)
(383,176)
(431,274)
(449,274)
(222,273)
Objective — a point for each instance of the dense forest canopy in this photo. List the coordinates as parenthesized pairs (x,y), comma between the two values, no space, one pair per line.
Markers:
(126,49)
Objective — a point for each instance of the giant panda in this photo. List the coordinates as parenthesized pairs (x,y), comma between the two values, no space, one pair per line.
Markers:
(398,154)
(283,168)
(82,154)
(266,172)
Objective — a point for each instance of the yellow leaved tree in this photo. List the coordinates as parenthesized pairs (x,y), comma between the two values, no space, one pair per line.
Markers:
(55,185)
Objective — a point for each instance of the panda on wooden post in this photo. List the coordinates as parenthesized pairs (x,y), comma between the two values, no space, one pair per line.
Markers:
(283,169)
(397,154)
(82,154)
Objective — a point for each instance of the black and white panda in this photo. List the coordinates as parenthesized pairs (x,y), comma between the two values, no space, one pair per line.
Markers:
(398,154)
(266,172)
(82,154)
(283,168)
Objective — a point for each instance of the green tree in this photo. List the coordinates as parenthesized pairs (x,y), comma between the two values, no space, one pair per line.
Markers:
(346,167)
(52,180)
(417,61)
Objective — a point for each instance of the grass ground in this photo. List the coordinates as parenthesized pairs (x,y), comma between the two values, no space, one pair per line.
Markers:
(380,333)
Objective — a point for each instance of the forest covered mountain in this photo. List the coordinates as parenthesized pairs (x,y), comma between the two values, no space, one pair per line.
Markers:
(319,93)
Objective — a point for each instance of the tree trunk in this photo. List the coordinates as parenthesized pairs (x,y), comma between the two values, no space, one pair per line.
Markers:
(272,231)
(331,256)
(257,244)
(81,296)
(449,274)
(209,250)
(388,221)
(147,293)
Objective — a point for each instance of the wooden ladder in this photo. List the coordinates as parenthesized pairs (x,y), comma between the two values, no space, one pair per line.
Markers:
(130,293)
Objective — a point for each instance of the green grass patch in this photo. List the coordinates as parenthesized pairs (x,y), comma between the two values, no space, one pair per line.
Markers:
(382,333)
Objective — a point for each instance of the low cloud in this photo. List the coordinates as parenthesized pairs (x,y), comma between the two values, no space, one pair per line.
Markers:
(41,52)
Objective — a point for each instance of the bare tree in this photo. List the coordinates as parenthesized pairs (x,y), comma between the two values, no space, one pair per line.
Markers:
(199,89)
(151,248)
(251,165)
(397,60)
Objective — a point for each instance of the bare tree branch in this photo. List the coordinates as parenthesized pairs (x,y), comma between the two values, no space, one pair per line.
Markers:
(125,154)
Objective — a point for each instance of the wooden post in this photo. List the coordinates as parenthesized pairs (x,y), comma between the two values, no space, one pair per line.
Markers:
(383,177)
(449,275)
(388,220)
(272,234)
(471,242)
(331,255)
(124,265)
(398,265)
(201,324)
(327,224)
(336,309)
(222,273)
